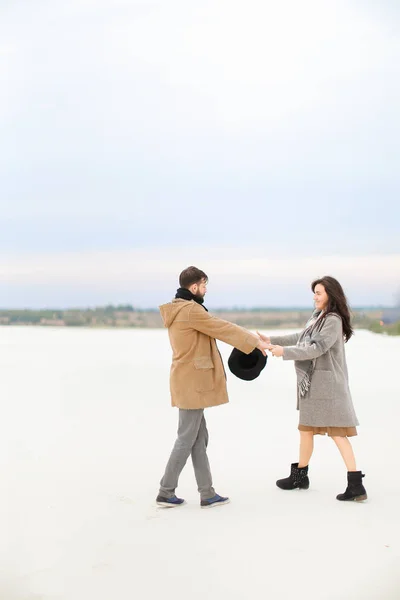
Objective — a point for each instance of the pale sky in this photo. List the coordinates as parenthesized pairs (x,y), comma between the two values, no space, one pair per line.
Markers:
(257,140)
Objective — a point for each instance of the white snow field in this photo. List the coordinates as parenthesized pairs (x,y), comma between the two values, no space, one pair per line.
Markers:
(86,430)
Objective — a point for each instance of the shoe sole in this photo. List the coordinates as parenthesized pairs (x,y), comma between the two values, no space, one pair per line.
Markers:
(169,504)
(356,499)
(292,489)
(214,504)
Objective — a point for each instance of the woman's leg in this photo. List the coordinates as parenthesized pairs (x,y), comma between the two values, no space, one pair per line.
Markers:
(346,450)
(306,448)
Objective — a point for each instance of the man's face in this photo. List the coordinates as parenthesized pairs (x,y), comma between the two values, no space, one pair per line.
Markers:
(199,289)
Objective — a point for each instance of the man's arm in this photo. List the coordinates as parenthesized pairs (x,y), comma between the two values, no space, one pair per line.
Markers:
(227,332)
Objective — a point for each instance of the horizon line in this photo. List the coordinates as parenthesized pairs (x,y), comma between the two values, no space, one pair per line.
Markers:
(218,308)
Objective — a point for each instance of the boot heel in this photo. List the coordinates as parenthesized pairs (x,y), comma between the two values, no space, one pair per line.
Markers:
(360,498)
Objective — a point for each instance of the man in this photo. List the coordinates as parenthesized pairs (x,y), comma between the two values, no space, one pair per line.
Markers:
(197,381)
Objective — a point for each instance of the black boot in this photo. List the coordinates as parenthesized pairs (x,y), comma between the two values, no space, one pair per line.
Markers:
(355,489)
(298,478)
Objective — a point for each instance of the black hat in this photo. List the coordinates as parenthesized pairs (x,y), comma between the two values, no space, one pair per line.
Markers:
(247,366)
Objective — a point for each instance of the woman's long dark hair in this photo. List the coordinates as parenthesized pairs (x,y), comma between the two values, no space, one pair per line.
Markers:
(337,303)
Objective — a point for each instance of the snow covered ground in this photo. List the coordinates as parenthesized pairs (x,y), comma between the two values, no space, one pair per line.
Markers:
(86,430)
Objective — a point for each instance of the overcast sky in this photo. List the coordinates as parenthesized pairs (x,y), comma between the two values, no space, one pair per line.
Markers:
(258,140)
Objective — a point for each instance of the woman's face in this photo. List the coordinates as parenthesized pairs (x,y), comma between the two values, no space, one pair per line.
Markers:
(321,298)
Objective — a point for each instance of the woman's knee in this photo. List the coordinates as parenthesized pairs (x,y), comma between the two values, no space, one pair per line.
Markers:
(338,438)
(306,434)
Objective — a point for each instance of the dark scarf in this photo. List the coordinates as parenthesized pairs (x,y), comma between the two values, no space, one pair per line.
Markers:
(185,294)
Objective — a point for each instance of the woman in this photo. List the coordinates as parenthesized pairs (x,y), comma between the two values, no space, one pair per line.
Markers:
(323,395)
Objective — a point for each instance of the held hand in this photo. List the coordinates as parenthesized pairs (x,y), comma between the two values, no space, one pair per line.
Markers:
(264,338)
(263,346)
(275,350)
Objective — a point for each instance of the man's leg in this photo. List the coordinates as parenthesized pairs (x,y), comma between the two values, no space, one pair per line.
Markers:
(189,425)
(200,463)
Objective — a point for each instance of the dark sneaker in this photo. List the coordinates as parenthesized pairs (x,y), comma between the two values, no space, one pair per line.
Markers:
(169,502)
(214,501)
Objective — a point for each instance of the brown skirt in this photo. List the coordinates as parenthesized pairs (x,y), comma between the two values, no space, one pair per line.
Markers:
(331,431)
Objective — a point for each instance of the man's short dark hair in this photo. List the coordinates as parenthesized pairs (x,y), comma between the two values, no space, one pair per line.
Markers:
(190,276)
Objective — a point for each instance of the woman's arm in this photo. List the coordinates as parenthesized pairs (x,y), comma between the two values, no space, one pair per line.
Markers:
(321,341)
(285,340)
(282,340)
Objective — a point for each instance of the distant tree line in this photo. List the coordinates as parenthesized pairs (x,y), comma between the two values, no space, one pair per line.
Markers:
(121,315)
(126,315)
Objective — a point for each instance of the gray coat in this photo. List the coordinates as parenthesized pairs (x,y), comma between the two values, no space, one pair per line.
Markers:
(328,402)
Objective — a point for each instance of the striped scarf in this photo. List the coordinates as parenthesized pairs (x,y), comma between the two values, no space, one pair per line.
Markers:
(305,368)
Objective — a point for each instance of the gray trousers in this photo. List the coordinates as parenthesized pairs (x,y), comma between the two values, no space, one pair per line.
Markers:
(192,440)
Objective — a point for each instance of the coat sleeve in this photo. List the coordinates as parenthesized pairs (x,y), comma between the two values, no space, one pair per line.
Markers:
(320,342)
(222,330)
(285,340)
